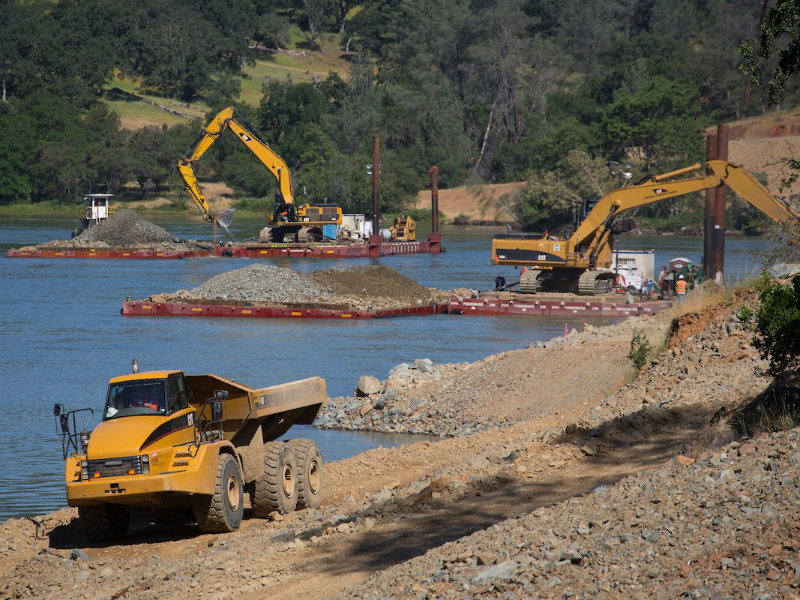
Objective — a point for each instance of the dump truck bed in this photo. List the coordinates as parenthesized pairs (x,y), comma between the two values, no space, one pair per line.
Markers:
(277,407)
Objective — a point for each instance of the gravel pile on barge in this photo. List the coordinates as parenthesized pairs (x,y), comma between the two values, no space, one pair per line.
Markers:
(126,230)
(359,288)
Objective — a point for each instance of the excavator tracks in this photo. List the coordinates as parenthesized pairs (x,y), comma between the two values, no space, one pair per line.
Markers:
(592,283)
(529,282)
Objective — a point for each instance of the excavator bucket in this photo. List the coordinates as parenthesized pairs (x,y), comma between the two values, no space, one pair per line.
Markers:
(225,217)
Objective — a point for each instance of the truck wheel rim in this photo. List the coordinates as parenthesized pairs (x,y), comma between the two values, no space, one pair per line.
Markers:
(288,481)
(314,476)
(233,492)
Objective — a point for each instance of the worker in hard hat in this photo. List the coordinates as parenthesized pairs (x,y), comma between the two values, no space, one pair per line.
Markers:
(680,289)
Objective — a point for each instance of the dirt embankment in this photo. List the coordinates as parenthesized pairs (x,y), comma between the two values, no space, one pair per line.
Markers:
(356,288)
(126,230)
(585,500)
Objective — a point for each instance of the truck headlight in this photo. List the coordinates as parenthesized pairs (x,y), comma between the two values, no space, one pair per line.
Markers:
(85,470)
(146,463)
(84,435)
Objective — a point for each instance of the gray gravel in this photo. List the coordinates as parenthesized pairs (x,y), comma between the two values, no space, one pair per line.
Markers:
(125,228)
(259,283)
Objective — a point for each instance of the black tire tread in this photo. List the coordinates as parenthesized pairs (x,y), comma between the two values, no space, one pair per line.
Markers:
(210,512)
(300,448)
(266,496)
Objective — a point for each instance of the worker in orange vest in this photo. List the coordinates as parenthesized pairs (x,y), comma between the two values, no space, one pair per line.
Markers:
(680,288)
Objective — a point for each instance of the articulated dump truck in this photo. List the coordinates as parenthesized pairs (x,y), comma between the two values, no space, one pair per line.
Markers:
(190,444)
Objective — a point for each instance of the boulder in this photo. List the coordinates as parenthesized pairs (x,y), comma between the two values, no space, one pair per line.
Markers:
(368,385)
(424,365)
(782,270)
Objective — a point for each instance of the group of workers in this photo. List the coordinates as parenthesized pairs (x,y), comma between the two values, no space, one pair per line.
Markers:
(678,282)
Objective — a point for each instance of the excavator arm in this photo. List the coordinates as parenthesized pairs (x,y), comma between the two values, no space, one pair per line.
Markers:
(225,120)
(594,231)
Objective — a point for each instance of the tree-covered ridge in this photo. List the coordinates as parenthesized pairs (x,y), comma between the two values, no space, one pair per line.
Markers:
(490,90)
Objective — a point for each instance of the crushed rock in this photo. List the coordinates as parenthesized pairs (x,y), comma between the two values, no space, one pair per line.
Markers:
(358,288)
(126,230)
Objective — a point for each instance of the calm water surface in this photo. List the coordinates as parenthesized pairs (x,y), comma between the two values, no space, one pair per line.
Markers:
(62,336)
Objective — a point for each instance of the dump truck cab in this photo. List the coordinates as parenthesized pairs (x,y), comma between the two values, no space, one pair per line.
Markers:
(169,440)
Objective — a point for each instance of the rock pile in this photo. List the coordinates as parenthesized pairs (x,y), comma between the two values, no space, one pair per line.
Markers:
(359,288)
(258,283)
(724,526)
(125,228)
(390,405)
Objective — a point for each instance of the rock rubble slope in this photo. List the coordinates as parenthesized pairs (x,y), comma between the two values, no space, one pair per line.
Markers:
(634,490)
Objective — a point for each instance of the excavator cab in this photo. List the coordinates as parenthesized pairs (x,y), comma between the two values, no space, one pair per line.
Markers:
(586,207)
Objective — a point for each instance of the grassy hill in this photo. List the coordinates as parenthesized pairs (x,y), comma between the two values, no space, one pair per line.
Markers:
(295,62)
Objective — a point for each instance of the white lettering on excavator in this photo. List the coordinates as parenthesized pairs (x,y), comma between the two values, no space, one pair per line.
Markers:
(542,257)
(244,137)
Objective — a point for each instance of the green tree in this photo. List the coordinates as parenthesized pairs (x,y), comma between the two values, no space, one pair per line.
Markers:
(659,124)
(778,326)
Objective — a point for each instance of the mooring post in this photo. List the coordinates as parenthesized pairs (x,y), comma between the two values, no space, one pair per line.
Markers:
(376,206)
(709,264)
(720,204)
(434,199)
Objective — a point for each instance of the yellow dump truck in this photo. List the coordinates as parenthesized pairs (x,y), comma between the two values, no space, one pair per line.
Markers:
(172,442)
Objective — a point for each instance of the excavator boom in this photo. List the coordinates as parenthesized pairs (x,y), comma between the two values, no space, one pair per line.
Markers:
(224,120)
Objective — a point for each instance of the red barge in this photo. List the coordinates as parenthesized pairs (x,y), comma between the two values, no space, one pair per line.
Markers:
(454,306)
(373,248)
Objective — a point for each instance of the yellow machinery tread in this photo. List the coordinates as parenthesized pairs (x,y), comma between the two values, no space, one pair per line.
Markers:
(529,282)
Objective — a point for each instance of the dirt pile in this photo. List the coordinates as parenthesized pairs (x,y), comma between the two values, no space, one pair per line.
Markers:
(359,288)
(373,281)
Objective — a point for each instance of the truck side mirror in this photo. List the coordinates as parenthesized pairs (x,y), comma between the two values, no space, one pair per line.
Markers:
(64,420)
(57,408)
(221,394)
(216,410)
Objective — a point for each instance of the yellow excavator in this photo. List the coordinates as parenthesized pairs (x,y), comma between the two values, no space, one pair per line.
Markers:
(582,263)
(404,229)
(303,222)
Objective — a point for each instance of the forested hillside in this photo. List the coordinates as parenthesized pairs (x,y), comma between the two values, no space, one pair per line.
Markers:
(494,91)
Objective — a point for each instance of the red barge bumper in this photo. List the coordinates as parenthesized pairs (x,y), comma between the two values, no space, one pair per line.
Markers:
(140,254)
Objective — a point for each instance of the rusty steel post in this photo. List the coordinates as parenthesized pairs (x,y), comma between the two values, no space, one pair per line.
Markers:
(723,136)
(709,266)
(434,199)
(376,205)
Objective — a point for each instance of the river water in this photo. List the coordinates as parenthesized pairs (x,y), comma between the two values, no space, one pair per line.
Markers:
(62,336)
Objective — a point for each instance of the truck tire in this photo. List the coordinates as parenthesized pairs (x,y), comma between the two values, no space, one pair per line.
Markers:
(276,488)
(309,473)
(104,522)
(222,512)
